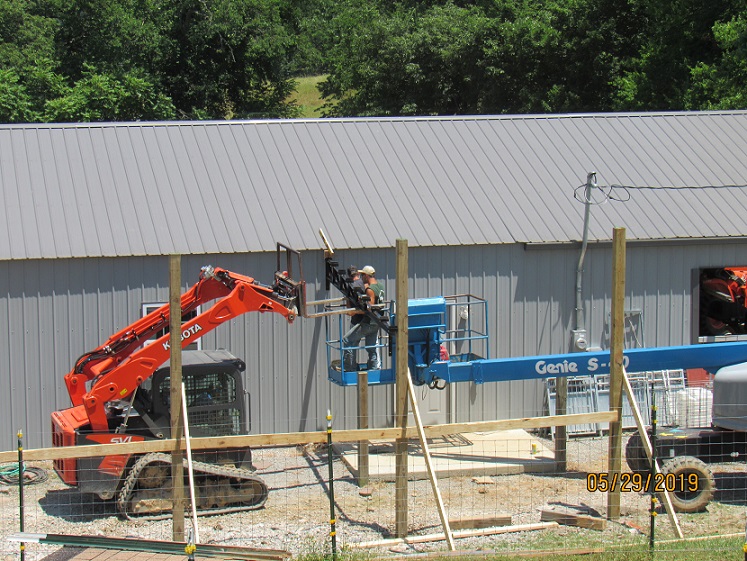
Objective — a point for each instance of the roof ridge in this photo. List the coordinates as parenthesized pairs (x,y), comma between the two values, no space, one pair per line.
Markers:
(422,118)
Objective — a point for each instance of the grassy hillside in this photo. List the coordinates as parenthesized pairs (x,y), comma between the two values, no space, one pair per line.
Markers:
(307,96)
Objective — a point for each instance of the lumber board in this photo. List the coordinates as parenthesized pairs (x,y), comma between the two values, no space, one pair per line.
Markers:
(489,554)
(570,519)
(481,522)
(294,438)
(462,534)
(701,538)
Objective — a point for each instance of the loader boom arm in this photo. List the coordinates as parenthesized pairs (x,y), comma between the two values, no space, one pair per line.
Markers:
(116,368)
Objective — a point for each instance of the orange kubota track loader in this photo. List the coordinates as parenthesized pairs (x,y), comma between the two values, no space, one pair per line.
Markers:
(119,394)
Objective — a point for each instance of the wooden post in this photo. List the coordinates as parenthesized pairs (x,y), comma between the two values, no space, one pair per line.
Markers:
(363,459)
(177,424)
(400,448)
(616,370)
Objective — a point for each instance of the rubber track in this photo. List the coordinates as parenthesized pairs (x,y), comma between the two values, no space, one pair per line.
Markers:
(200,468)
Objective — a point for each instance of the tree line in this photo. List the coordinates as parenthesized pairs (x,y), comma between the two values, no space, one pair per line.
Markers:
(126,60)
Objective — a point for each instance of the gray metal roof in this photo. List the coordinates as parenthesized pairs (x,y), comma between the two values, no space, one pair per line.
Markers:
(220,187)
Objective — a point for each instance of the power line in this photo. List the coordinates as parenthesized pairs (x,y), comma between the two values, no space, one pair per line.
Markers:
(608,191)
(676,188)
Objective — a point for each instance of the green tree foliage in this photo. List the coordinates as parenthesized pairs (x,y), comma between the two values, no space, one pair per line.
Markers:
(145,59)
(493,57)
(28,63)
(594,41)
(104,97)
(522,56)
(114,36)
(406,63)
(312,24)
(722,84)
(25,35)
(215,59)
(15,102)
(677,37)
(230,58)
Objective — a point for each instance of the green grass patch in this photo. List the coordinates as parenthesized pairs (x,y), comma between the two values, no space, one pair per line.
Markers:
(307,96)
(721,549)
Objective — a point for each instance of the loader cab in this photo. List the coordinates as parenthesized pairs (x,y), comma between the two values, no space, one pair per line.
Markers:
(214,391)
(217,404)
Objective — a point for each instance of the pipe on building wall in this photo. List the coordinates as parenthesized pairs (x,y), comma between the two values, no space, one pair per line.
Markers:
(580,341)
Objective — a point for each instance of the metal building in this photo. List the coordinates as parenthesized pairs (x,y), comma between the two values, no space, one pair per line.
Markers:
(486,203)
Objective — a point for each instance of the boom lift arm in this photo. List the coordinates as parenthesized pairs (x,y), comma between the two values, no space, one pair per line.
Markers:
(427,330)
(116,368)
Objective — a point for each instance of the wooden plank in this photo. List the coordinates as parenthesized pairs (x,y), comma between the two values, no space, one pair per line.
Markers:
(701,538)
(482,522)
(570,519)
(328,251)
(401,375)
(666,499)
(458,535)
(523,423)
(429,464)
(294,438)
(616,365)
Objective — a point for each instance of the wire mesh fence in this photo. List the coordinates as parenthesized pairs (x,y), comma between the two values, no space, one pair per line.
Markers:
(501,490)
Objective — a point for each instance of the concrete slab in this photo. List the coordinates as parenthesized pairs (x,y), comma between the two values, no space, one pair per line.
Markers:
(468,454)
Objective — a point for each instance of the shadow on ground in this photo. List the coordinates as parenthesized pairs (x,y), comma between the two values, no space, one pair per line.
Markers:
(74,506)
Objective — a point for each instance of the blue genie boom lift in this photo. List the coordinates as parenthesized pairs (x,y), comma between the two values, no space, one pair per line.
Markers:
(432,329)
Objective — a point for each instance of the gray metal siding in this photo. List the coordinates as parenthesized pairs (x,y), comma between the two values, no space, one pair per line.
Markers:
(58,309)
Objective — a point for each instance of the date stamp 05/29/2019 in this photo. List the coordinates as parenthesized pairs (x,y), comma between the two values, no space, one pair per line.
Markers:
(639,482)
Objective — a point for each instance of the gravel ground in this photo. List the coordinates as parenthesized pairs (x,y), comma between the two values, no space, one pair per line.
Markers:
(297,513)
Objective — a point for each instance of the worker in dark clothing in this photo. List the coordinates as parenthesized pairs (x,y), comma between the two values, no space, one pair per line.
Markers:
(350,356)
(366,328)
(359,287)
